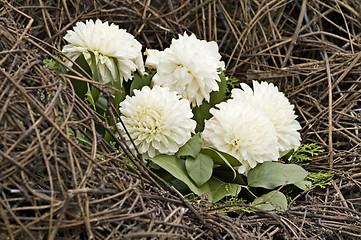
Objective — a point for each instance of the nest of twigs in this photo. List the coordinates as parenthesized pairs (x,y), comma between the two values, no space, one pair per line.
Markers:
(54,186)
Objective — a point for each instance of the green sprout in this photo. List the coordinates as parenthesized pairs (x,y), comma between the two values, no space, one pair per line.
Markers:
(303,154)
(52,65)
(320,179)
(232,83)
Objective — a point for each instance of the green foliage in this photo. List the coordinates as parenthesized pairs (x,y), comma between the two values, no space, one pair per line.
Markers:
(81,87)
(191,197)
(53,65)
(92,95)
(140,81)
(176,167)
(201,113)
(84,66)
(270,175)
(217,189)
(320,179)
(220,95)
(214,188)
(303,154)
(273,200)
(304,184)
(198,165)
(228,174)
(199,168)
(231,204)
(94,67)
(80,136)
(191,148)
(221,158)
(120,95)
(207,171)
(232,83)
(41,95)
(89,96)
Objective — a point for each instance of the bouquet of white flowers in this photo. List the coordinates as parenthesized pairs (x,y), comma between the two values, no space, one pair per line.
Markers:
(175,111)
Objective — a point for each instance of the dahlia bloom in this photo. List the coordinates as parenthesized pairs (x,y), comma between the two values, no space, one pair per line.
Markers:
(277,107)
(189,66)
(117,53)
(153,57)
(158,120)
(242,131)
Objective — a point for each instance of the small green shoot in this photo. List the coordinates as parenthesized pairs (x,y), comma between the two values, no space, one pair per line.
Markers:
(232,83)
(232,204)
(303,155)
(320,179)
(52,65)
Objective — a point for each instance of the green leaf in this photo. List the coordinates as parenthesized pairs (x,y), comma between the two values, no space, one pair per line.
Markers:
(231,83)
(228,175)
(270,175)
(140,81)
(214,188)
(221,158)
(71,132)
(101,104)
(92,95)
(81,87)
(108,137)
(200,114)
(220,95)
(53,65)
(83,64)
(95,93)
(89,97)
(285,156)
(176,167)
(180,186)
(80,136)
(191,148)
(303,185)
(94,67)
(116,80)
(274,200)
(217,189)
(199,168)
(118,96)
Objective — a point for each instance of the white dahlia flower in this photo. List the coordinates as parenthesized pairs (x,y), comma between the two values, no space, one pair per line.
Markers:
(117,53)
(277,107)
(242,131)
(189,66)
(158,120)
(152,58)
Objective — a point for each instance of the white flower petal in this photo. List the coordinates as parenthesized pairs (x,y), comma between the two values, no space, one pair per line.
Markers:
(189,66)
(243,131)
(117,53)
(152,58)
(157,120)
(277,107)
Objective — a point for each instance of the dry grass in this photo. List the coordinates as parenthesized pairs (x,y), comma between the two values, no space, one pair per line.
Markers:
(54,187)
